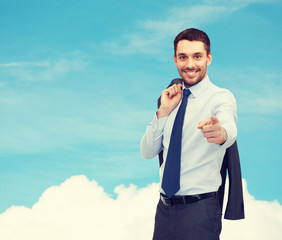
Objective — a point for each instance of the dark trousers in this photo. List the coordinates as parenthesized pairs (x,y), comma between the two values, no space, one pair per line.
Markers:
(194,221)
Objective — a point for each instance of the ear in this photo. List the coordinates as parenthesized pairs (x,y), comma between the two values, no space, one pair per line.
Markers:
(175,59)
(209,58)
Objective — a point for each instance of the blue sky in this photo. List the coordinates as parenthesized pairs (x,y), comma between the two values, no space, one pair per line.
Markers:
(79,82)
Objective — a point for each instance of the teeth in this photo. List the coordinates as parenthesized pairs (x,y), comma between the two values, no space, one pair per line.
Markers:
(190,72)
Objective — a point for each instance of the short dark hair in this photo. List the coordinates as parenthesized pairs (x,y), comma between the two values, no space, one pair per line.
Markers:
(193,34)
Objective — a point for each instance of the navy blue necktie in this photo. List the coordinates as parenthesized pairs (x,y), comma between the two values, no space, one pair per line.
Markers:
(171,176)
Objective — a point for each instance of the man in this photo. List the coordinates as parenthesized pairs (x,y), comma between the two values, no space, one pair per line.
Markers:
(193,126)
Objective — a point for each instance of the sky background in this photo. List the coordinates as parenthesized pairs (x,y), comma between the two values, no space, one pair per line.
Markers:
(79,82)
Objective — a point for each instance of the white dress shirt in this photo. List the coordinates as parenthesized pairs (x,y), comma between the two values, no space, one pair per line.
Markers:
(200,161)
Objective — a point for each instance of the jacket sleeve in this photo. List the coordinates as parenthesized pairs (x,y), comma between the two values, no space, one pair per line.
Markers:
(235,203)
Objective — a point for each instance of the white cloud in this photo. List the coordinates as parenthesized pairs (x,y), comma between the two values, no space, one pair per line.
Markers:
(23,64)
(263,220)
(80,209)
(42,70)
(150,36)
(238,3)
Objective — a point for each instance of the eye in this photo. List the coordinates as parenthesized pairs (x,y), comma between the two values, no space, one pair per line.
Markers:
(198,57)
(182,57)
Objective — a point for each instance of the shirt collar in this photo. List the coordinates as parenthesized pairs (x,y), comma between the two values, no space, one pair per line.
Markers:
(197,89)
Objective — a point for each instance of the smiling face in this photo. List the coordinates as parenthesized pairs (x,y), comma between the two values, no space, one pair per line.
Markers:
(192,61)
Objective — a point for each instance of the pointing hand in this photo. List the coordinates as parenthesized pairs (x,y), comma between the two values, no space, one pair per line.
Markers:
(213,131)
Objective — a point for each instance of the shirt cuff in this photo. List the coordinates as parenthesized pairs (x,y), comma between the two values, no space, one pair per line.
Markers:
(231,132)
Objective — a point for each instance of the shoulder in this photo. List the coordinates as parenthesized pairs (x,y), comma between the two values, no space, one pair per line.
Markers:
(222,94)
(220,91)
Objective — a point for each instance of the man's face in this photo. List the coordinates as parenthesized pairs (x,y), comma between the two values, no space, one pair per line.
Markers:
(192,61)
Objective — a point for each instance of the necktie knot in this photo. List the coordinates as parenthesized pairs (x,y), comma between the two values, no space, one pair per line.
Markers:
(186,92)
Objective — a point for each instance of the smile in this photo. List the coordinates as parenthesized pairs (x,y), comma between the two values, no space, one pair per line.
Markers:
(190,73)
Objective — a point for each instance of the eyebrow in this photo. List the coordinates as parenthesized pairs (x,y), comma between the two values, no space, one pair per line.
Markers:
(184,54)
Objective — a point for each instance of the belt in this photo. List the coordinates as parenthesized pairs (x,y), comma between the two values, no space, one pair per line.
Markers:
(178,200)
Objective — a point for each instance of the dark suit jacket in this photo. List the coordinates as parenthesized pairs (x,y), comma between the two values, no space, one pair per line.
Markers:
(231,164)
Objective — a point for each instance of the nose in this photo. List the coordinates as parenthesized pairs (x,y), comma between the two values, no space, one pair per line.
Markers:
(190,63)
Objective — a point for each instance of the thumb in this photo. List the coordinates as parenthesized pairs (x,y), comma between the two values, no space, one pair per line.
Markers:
(214,120)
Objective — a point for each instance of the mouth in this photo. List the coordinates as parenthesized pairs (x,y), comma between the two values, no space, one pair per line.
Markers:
(191,73)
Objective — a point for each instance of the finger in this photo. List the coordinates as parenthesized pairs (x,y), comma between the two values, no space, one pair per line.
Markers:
(165,92)
(207,128)
(211,135)
(179,88)
(214,120)
(172,91)
(204,123)
(175,90)
(211,128)
(213,140)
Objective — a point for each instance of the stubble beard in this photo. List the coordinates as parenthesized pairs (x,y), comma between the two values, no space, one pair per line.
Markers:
(189,82)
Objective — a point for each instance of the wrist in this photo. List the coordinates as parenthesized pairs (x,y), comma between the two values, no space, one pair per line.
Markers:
(224,136)
(162,112)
